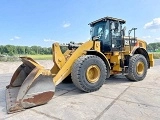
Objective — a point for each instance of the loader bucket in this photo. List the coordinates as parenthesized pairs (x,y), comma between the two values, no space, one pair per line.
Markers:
(31,85)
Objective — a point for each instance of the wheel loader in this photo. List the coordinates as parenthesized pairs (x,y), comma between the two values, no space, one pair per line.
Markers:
(89,64)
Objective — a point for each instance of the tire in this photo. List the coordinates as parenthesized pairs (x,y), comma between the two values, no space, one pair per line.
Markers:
(80,73)
(137,68)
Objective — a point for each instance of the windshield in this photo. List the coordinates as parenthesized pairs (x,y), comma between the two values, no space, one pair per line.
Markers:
(100,30)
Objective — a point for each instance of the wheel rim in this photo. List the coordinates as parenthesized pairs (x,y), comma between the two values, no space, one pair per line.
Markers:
(93,73)
(140,68)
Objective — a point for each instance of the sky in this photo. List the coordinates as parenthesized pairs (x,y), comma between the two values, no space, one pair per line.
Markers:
(43,22)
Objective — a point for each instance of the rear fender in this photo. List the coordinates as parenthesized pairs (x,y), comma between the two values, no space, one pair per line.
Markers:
(142,51)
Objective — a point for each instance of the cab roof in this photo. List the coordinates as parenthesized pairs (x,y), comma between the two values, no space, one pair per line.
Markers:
(107,18)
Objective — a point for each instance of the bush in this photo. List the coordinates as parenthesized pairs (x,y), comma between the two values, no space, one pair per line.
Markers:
(3,58)
(13,58)
(6,58)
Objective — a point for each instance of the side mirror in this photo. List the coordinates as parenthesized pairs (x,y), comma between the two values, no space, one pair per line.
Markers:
(95,38)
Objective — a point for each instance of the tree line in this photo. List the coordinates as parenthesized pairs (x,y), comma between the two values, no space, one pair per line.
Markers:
(153,47)
(33,50)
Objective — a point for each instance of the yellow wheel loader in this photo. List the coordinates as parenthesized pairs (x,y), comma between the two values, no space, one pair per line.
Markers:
(89,64)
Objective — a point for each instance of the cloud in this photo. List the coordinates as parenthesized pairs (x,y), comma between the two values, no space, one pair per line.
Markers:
(11,39)
(49,40)
(158,39)
(151,39)
(153,25)
(148,38)
(65,25)
(15,38)
(145,37)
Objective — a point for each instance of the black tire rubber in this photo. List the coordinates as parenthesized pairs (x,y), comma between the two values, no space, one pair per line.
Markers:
(78,73)
(132,74)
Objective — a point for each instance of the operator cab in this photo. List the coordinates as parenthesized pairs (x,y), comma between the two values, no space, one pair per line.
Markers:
(108,30)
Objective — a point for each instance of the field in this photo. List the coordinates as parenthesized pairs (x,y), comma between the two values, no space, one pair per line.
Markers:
(40,57)
(156,55)
(16,57)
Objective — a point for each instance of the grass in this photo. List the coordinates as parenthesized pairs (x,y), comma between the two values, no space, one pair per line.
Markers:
(39,57)
(16,57)
(156,55)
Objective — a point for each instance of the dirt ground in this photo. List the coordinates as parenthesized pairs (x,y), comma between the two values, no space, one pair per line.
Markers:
(117,99)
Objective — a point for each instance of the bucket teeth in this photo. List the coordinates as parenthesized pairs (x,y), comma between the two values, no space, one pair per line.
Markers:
(11,95)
